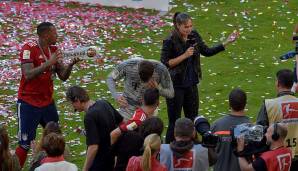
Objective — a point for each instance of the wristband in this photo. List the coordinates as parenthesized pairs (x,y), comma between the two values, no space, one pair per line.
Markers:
(122,128)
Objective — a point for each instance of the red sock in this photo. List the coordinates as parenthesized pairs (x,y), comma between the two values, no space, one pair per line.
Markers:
(22,155)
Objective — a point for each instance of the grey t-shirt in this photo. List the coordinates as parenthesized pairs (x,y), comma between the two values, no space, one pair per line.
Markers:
(134,88)
(226,160)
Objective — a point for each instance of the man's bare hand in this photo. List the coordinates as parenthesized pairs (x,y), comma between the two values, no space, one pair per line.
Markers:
(152,84)
(115,134)
(55,57)
(240,144)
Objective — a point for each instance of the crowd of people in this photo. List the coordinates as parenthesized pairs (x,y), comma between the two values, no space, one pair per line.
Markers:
(130,138)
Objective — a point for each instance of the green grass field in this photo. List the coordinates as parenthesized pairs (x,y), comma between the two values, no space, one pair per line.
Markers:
(265,27)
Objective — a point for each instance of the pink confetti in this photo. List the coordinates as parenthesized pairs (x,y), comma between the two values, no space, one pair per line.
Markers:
(77,25)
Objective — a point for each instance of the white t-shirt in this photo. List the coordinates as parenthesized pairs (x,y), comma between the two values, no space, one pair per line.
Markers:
(57,166)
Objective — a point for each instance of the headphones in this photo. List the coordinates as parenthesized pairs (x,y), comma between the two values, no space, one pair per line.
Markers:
(275,135)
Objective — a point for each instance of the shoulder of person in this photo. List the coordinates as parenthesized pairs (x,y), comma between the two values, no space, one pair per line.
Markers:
(270,101)
(104,103)
(131,61)
(72,165)
(200,148)
(30,44)
(195,32)
(90,114)
(221,119)
(41,154)
(165,148)
(167,43)
(157,64)
(159,67)
(27,48)
(243,119)
(101,102)
(134,160)
(99,106)
(169,37)
(247,118)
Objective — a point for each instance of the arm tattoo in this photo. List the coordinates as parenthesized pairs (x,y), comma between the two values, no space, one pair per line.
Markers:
(63,71)
(30,72)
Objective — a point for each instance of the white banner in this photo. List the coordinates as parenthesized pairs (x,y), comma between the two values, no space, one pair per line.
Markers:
(160,5)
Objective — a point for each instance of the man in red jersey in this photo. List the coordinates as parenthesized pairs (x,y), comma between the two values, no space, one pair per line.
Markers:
(40,61)
(278,158)
(147,110)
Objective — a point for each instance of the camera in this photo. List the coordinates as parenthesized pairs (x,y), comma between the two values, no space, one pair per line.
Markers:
(295,38)
(249,132)
(202,126)
(254,139)
(293,53)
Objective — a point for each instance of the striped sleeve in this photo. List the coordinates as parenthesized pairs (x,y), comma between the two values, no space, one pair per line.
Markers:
(166,86)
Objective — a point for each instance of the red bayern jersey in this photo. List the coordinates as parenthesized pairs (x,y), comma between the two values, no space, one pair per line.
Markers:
(136,120)
(39,90)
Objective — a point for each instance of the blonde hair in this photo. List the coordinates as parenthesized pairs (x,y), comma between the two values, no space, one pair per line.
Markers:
(152,144)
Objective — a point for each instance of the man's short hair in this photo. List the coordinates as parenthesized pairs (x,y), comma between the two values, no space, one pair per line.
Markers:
(237,99)
(54,145)
(150,126)
(151,96)
(184,127)
(43,27)
(285,78)
(75,93)
(146,69)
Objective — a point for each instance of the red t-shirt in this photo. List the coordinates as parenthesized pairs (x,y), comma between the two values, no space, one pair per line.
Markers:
(134,164)
(138,117)
(39,90)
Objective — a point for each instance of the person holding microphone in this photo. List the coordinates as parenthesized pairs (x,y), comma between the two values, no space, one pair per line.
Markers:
(181,54)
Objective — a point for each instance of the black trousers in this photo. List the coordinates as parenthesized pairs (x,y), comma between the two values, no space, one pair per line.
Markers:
(294,165)
(188,98)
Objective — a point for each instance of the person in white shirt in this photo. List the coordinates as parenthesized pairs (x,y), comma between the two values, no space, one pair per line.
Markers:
(54,146)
